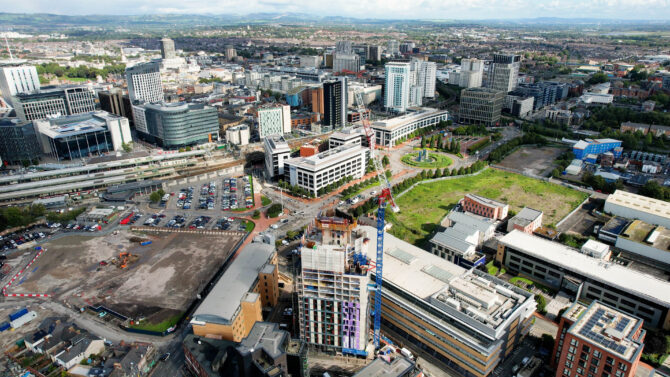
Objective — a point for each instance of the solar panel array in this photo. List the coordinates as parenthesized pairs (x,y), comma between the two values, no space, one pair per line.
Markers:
(587,332)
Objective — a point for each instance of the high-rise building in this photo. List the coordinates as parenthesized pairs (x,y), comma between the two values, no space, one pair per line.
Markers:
(333,305)
(238,135)
(18,142)
(396,89)
(471,74)
(344,47)
(167,49)
(348,62)
(116,102)
(374,53)
(316,97)
(335,103)
(53,101)
(426,77)
(274,120)
(480,106)
(230,52)
(176,125)
(406,47)
(277,152)
(18,79)
(392,47)
(598,340)
(82,135)
(504,72)
(144,82)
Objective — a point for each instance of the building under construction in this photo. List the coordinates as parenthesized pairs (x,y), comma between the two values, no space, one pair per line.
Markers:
(333,305)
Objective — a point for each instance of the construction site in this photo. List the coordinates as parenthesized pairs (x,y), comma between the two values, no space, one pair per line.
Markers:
(150,277)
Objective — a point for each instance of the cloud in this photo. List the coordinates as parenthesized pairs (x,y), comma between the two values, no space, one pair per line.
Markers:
(395,9)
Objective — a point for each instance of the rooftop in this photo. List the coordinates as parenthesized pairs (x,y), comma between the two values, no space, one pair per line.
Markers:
(348,133)
(337,154)
(267,336)
(480,223)
(640,203)
(222,303)
(526,216)
(379,367)
(485,302)
(651,235)
(607,328)
(628,280)
(485,201)
(70,125)
(411,116)
(457,238)
(277,144)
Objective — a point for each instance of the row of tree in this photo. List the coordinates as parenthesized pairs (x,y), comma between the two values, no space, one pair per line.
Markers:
(81,71)
(654,190)
(441,143)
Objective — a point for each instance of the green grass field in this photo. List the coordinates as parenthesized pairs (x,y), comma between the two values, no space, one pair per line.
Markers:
(422,208)
(158,327)
(436,160)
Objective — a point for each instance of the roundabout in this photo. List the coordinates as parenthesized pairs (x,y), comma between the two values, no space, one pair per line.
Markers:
(428,160)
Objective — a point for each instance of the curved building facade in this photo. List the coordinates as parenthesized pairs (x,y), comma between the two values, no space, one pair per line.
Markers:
(178,125)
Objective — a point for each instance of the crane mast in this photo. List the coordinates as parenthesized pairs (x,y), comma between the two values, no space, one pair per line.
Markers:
(385,198)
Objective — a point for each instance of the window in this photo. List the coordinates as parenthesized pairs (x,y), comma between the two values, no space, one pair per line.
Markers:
(623,366)
(574,342)
(568,364)
(609,361)
(566,372)
(586,349)
(597,354)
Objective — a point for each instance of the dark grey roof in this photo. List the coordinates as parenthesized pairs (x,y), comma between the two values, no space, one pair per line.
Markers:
(267,336)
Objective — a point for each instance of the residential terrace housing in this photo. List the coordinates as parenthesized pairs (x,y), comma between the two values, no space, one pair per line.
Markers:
(466,319)
(585,277)
(236,301)
(598,339)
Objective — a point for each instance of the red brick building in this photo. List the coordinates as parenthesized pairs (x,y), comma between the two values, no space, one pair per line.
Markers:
(599,341)
(486,207)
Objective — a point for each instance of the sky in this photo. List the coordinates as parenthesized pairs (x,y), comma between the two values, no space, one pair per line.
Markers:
(385,9)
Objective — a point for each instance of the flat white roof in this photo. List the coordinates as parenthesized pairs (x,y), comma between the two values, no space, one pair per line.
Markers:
(639,203)
(393,123)
(626,279)
(334,155)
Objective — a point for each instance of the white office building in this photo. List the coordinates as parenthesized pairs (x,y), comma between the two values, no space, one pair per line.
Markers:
(472,71)
(504,72)
(53,101)
(349,135)
(18,79)
(238,135)
(274,120)
(315,172)
(396,91)
(144,82)
(388,131)
(277,152)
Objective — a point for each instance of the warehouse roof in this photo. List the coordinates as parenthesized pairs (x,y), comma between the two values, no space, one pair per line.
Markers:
(626,279)
(648,234)
(639,203)
(222,303)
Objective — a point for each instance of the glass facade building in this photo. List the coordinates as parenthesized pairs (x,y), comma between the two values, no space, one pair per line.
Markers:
(18,142)
(178,125)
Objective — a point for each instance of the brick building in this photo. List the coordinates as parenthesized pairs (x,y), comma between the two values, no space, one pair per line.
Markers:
(597,340)
(486,207)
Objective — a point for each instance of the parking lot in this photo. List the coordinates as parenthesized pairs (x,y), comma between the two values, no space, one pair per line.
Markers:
(187,220)
(228,194)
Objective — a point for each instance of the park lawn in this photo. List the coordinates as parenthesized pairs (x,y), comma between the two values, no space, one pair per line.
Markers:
(265,201)
(158,327)
(249,226)
(422,208)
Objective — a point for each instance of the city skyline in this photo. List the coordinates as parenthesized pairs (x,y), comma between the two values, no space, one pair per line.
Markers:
(377,9)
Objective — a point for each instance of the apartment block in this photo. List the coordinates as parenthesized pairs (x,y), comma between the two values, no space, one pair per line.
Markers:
(504,72)
(332,288)
(470,76)
(396,89)
(585,277)
(274,120)
(144,82)
(18,79)
(486,207)
(236,301)
(598,340)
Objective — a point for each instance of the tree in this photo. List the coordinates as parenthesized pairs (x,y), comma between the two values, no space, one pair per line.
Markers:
(541,304)
(423,142)
(155,197)
(256,214)
(127,147)
(385,161)
(598,78)
(274,210)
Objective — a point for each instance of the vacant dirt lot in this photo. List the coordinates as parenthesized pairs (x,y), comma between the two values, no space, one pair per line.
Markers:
(162,281)
(533,160)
